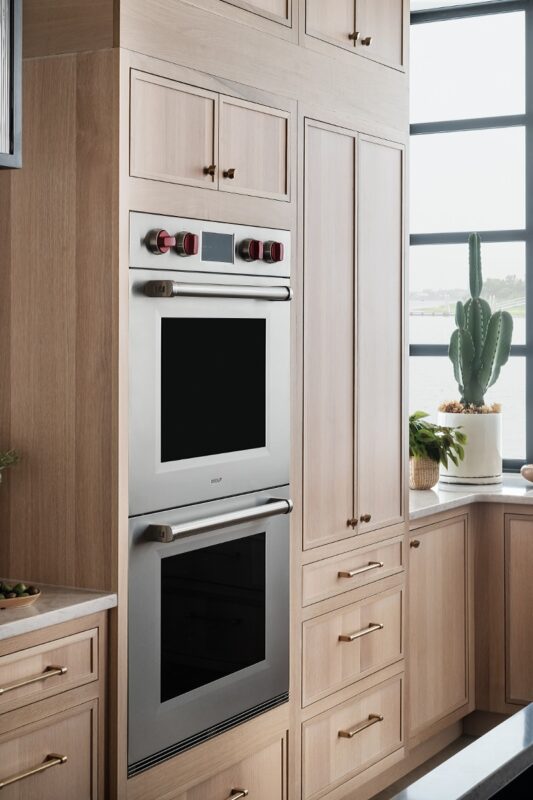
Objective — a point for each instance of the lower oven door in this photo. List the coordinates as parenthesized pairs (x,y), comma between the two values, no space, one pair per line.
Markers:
(208,621)
(209,387)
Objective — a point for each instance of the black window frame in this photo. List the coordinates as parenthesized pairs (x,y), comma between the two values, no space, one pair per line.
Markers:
(525,235)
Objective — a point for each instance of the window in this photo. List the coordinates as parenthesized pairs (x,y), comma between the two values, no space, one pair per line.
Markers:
(472,170)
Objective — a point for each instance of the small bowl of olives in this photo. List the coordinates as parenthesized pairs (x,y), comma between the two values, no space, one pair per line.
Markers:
(15,595)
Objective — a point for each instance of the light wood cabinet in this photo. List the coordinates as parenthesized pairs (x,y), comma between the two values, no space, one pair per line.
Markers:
(374,29)
(519,605)
(180,133)
(348,738)
(53,758)
(380,334)
(343,646)
(262,775)
(277,10)
(353,333)
(440,624)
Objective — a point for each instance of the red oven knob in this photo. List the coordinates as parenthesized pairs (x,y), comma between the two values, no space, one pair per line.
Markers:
(160,242)
(186,243)
(251,250)
(273,252)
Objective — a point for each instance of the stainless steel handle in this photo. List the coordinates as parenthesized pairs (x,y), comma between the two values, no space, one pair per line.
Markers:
(237,794)
(175,289)
(168,533)
(372,719)
(351,637)
(51,760)
(49,672)
(353,572)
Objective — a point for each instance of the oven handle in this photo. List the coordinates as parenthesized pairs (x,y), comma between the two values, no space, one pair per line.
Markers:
(175,289)
(169,533)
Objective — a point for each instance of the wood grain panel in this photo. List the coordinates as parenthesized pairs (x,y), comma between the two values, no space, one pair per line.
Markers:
(329,285)
(381,455)
(438,623)
(333,26)
(329,760)
(67,26)
(329,664)
(271,9)
(519,608)
(383,21)
(174,131)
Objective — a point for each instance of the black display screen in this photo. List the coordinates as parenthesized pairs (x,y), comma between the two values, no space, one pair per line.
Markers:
(218,247)
(213,386)
(213,609)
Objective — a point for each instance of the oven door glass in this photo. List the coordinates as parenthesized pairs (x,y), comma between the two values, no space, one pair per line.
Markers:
(213,384)
(208,627)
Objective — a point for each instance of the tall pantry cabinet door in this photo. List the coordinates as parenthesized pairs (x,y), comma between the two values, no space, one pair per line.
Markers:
(336,24)
(174,131)
(329,320)
(380,333)
(519,604)
(381,30)
(254,149)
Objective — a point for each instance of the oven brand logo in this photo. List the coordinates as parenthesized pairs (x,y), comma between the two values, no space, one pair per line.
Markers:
(216,480)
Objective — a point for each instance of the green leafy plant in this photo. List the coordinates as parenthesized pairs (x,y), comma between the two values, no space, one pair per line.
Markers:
(8,458)
(436,442)
(481,343)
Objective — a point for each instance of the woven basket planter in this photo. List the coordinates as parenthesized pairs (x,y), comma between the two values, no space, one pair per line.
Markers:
(423,473)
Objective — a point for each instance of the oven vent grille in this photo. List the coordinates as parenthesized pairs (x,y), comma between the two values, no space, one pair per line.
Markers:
(209,733)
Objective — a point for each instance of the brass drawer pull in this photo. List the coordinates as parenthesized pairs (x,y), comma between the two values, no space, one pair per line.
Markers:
(210,170)
(51,760)
(229,173)
(353,572)
(372,719)
(351,637)
(237,794)
(50,672)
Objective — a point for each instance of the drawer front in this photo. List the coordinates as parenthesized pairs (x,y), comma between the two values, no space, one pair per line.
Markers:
(48,669)
(350,737)
(333,576)
(262,775)
(54,759)
(350,643)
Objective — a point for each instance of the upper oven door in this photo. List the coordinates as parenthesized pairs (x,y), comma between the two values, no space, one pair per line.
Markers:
(209,387)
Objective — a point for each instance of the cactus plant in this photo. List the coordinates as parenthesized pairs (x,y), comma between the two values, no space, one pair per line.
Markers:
(481,343)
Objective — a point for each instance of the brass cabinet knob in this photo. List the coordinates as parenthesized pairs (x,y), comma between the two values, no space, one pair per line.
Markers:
(352,523)
(229,173)
(366,517)
(414,543)
(366,41)
(237,794)
(354,36)
(210,170)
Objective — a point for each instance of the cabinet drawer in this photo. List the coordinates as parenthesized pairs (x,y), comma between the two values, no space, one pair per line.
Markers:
(262,775)
(350,737)
(254,149)
(173,131)
(52,759)
(331,576)
(349,643)
(48,669)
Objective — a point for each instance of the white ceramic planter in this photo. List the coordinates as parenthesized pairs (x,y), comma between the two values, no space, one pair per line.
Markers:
(483,451)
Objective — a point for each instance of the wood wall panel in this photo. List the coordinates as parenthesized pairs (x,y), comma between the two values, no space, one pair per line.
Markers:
(67,26)
(62,335)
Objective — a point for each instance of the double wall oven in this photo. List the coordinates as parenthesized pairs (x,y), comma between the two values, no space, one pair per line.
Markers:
(209,474)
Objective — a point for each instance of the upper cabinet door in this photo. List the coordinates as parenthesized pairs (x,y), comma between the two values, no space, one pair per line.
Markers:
(333,21)
(277,10)
(329,256)
(380,334)
(380,28)
(254,149)
(174,134)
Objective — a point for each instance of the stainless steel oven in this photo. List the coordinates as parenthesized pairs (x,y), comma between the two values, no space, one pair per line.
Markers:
(209,360)
(208,621)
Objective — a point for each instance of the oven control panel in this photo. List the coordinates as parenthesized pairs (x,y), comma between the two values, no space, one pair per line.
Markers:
(190,245)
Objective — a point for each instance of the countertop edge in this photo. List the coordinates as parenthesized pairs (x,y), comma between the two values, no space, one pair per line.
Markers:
(85,608)
(475,496)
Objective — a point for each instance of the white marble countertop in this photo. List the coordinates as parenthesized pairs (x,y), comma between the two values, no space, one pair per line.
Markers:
(55,605)
(444,497)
